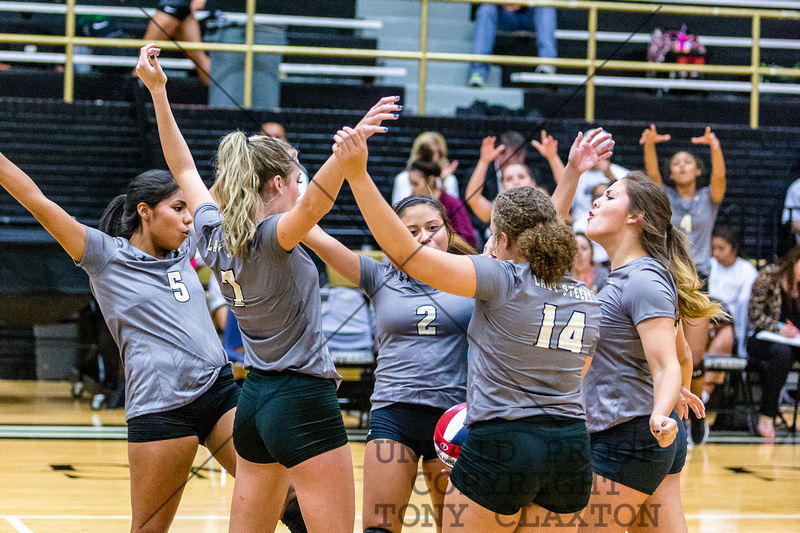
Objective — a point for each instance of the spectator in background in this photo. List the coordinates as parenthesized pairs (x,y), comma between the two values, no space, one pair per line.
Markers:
(435,141)
(424,175)
(174,19)
(585,269)
(731,278)
(774,307)
(515,174)
(791,208)
(491,18)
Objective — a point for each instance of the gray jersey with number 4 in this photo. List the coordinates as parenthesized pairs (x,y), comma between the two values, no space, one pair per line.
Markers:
(274,295)
(156,312)
(619,385)
(528,341)
(422,338)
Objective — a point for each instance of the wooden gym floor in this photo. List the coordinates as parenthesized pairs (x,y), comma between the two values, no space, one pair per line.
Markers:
(70,474)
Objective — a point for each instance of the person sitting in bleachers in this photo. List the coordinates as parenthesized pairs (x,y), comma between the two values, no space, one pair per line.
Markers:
(730,279)
(774,307)
(436,143)
(174,19)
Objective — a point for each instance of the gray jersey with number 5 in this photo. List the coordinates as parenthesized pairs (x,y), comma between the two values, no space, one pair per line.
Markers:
(528,341)
(156,312)
(422,339)
(274,295)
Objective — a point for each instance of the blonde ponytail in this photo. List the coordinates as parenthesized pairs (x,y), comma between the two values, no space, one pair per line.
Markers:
(245,166)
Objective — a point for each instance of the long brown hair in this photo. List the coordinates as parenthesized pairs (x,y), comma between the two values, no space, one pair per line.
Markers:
(665,244)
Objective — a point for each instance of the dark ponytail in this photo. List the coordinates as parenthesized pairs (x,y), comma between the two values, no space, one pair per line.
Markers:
(121,217)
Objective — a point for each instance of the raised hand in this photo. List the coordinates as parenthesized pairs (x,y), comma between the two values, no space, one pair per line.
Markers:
(707,138)
(488,151)
(548,146)
(386,109)
(350,149)
(586,153)
(148,70)
(664,429)
(651,136)
(449,169)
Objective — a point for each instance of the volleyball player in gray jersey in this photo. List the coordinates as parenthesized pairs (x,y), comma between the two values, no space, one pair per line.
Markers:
(641,368)
(179,389)
(531,333)
(422,364)
(288,427)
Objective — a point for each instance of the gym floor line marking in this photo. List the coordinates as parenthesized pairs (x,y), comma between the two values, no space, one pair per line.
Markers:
(17,524)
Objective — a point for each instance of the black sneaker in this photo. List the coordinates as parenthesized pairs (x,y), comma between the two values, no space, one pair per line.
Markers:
(699,429)
(293,518)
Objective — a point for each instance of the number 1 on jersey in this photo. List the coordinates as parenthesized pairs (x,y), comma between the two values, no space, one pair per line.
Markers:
(238,296)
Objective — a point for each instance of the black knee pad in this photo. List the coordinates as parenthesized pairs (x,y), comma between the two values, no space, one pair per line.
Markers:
(376,530)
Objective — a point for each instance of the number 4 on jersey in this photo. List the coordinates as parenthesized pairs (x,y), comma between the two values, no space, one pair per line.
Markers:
(571,337)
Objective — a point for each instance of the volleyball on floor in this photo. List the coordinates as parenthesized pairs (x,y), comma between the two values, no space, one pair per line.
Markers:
(451,434)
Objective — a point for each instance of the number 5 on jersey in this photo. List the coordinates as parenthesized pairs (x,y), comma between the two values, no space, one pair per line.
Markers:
(571,337)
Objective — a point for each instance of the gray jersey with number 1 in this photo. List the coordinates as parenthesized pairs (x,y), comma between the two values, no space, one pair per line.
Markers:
(528,341)
(156,312)
(422,337)
(274,295)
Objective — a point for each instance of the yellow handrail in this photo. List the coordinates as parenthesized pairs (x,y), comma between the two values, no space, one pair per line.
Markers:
(423,56)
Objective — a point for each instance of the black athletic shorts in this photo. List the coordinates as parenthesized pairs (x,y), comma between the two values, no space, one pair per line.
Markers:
(508,464)
(409,424)
(629,454)
(195,419)
(179,9)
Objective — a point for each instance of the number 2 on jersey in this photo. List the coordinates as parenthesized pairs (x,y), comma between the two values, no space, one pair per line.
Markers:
(571,337)
(238,296)
(424,325)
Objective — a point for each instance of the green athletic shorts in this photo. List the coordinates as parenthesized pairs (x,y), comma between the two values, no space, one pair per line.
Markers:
(287,417)
(508,464)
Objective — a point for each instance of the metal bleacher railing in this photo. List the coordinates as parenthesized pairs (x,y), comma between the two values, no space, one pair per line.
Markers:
(713,8)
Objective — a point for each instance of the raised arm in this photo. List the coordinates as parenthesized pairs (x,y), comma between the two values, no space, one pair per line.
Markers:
(583,155)
(336,255)
(175,149)
(324,186)
(447,272)
(650,137)
(480,205)
(658,341)
(69,233)
(548,148)
(718,182)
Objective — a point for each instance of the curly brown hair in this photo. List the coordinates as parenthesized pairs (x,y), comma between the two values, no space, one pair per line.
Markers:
(528,217)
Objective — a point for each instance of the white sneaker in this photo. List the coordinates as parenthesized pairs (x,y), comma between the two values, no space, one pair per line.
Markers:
(545,69)
(476,80)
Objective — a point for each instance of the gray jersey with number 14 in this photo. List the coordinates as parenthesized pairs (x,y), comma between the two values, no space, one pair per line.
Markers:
(528,341)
